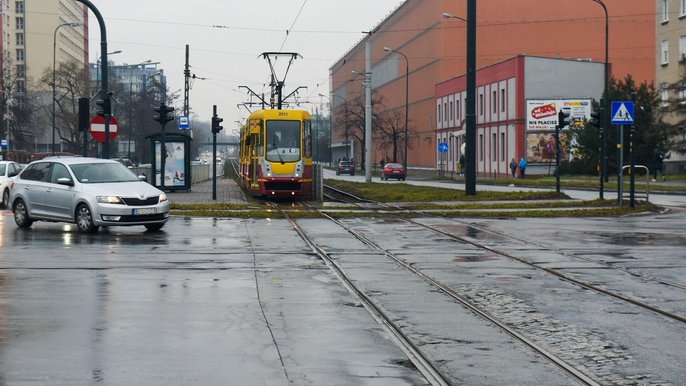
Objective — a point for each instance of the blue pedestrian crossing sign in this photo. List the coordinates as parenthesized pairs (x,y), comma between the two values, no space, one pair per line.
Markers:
(443,147)
(622,113)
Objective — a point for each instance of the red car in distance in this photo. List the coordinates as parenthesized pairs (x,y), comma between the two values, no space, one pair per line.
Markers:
(393,170)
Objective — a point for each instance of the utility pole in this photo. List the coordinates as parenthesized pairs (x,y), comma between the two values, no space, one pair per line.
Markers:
(368,110)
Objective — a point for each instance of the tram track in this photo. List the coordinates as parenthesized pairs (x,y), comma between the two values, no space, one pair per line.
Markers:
(477,307)
(429,369)
(551,271)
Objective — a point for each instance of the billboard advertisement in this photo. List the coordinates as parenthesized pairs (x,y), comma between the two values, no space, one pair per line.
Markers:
(174,165)
(541,119)
(541,114)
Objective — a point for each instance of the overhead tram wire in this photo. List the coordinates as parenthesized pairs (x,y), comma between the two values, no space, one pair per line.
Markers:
(288,31)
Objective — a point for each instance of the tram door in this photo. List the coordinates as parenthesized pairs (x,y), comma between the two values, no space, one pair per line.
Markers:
(255,160)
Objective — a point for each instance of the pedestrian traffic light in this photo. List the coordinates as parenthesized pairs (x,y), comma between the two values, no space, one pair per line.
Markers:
(165,114)
(563,119)
(216,127)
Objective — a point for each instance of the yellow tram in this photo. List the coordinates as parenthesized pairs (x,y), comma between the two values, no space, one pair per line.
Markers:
(276,153)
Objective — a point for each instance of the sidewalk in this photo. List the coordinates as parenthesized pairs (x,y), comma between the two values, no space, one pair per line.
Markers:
(228,192)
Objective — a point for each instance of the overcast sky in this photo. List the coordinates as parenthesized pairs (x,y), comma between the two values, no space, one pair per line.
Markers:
(226,37)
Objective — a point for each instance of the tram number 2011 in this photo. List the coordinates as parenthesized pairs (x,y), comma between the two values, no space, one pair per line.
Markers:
(283,113)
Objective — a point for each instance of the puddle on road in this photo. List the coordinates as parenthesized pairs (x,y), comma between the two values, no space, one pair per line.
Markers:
(474,259)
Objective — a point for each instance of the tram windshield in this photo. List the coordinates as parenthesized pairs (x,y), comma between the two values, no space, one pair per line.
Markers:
(283,141)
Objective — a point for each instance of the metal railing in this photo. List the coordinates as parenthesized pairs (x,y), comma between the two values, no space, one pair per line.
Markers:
(638,195)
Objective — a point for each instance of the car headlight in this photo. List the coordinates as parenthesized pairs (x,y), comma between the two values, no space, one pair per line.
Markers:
(163,197)
(109,200)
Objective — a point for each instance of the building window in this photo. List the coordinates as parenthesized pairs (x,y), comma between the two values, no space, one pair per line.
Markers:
(445,112)
(682,91)
(457,111)
(682,48)
(665,52)
(21,86)
(481,104)
(682,8)
(665,11)
(21,71)
(502,98)
(20,55)
(451,111)
(481,147)
(494,147)
(494,102)
(20,39)
(439,115)
(20,22)
(19,6)
(502,147)
(664,94)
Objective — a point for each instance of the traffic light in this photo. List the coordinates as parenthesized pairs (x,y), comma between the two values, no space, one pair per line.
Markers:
(595,118)
(563,119)
(216,127)
(165,114)
(104,106)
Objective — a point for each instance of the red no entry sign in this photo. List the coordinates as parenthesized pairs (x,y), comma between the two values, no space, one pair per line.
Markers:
(97,128)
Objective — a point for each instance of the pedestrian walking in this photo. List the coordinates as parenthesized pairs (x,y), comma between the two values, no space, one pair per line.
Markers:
(658,164)
(513,167)
(462,161)
(522,167)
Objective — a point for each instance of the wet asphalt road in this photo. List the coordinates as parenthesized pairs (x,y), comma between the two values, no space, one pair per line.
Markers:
(235,301)
(198,304)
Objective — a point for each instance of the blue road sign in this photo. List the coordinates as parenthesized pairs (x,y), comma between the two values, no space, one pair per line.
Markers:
(443,147)
(622,113)
(184,122)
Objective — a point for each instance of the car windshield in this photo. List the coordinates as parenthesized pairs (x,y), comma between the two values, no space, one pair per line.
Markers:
(394,166)
(283,141)
(102,172)
(346,163)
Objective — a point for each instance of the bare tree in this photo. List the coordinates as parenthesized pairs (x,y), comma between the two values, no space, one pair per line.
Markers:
(71,83)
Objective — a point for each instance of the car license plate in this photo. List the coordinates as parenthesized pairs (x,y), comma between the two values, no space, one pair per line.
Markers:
(142,211)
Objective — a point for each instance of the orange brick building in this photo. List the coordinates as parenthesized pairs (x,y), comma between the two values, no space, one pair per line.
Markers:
(435,49)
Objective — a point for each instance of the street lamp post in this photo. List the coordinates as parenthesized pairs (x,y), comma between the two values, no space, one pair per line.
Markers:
(54,70)
(602,118)
(407,100)
(470,108)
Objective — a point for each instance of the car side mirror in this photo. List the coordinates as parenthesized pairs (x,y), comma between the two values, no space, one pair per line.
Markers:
(65,181)
(143,177)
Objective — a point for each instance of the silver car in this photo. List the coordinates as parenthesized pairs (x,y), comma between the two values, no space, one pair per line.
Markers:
(8,169)
(89,192)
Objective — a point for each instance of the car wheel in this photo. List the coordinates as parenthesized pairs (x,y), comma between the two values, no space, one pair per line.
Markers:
(154,227)
(5,199)
(338,174)
(21,214)
(84,219)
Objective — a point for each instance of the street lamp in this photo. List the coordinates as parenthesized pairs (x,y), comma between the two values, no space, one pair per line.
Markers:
(470,108)
(54,90)
(407,96)
(602,120)
(97,64)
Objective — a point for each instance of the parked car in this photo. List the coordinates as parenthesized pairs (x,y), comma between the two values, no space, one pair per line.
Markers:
(393,170)
(346,167)
(8,170)
(89,192)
